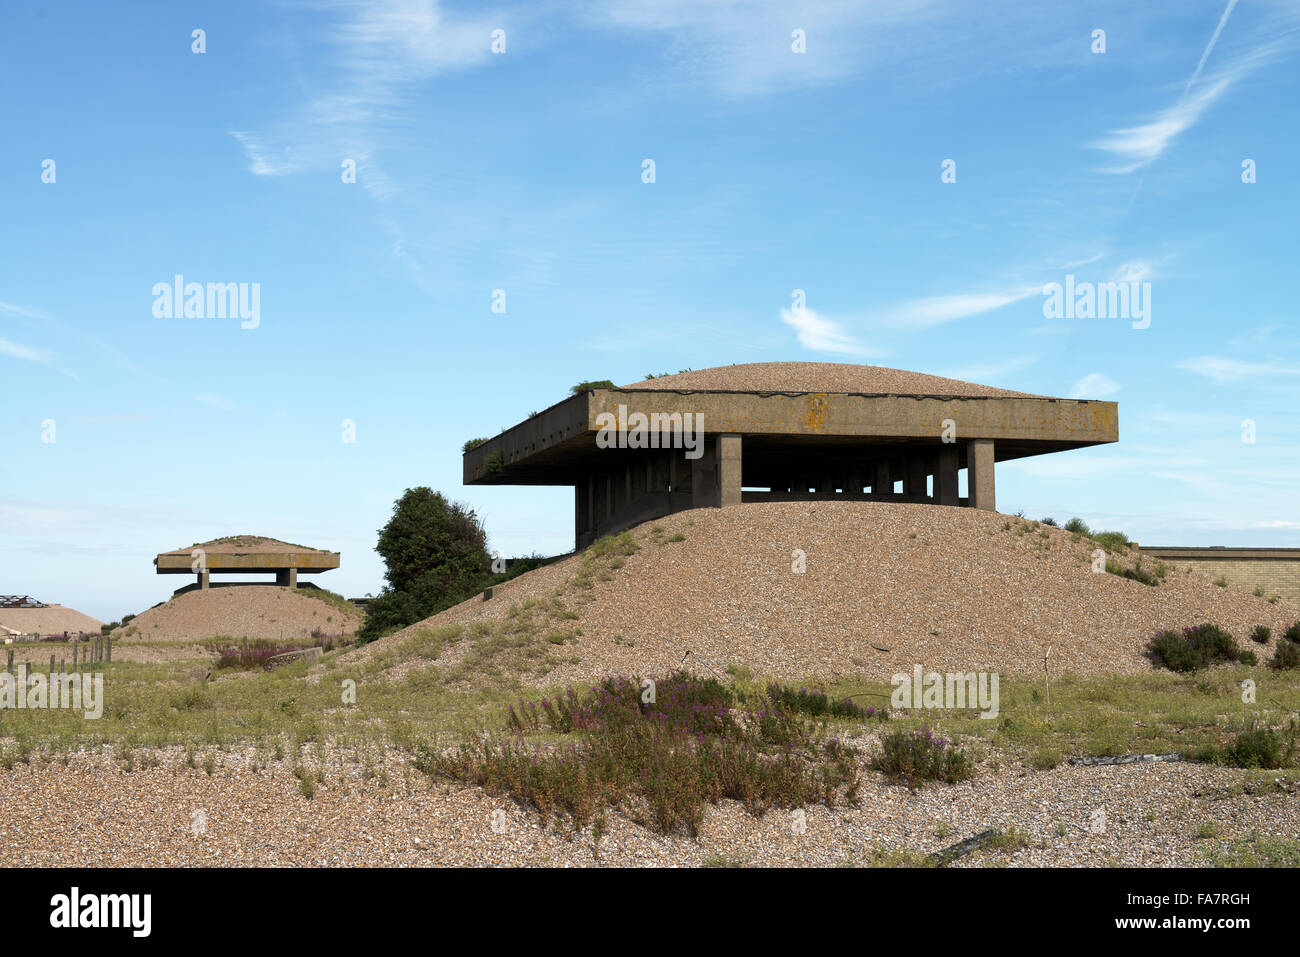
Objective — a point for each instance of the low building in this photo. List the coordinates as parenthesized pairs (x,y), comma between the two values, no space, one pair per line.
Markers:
(1275,571)
(780,431)
(246,554)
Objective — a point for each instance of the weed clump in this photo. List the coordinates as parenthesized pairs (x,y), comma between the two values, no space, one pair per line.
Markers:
(1194,648)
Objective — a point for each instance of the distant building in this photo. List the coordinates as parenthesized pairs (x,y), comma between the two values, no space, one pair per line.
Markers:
(23,616)
(778,432)
(244,554)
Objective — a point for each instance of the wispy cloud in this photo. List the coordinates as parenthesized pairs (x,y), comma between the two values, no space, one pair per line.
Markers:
(214,400)
(1139,146)
(938,310)
(260,162)
(16,350)
(1094,386)
(820,335)
(1223,370)
(16,310)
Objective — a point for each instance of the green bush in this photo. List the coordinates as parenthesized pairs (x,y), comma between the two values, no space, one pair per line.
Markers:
(472,444)
(1286,657)
(1261,634)
(1260,748)
(591,385)
(1192,649)
(436,555)
(1293,633)
(1078,526)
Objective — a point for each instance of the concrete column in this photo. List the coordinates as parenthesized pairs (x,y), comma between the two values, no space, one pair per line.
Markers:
(914,479)
(704,476)
(729,469)
(945,476)
(287,577)
(881,482)
(581,512)
(979,477)
(203,579)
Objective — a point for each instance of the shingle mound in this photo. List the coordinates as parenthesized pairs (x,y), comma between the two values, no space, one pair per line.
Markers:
(50,620)
(242,611)
(819,377)
(886,587)
(238,544)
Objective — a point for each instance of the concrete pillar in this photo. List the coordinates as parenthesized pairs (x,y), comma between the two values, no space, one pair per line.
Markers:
(729,469)
(287,577)
(979,477)
(945,476)
(914,479)
(203,579)
(881,482)
(704,476)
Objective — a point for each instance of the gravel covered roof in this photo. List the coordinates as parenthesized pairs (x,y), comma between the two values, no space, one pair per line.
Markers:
(238,544)
(819,377)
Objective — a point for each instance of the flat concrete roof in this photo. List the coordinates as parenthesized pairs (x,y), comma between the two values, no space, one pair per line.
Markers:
(247,553)
(782,426)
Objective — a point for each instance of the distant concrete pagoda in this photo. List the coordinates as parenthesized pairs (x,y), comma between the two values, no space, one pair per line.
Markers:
(245,554)
(780,432)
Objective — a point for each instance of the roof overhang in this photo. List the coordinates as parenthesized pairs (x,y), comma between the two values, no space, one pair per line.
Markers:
(552,447)
(172,563)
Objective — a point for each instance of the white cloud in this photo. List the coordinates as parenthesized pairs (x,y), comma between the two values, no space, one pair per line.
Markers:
(1139,146)
(17,350)
(214,400)
(1094,386)
(1221,370)
(937,310)
(260,162)
(821,335)
(17,310)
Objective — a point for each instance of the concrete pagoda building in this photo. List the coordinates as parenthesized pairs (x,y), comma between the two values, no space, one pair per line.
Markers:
(779,432)
(244,554)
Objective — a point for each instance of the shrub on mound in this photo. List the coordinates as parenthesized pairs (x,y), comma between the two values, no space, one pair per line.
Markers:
(914,757)
(1194,648)
(1261,634)
(1286,657)
(1293,633)
(1261,748)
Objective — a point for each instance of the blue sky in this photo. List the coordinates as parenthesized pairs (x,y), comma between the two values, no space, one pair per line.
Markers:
(522,171)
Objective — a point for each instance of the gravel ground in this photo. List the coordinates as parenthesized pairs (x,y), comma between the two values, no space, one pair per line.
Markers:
(241,611)
(91,813)
(803,377)
(886,587)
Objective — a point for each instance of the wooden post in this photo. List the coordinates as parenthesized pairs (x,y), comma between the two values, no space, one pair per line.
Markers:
(75,651)
(10,665)
(108,649)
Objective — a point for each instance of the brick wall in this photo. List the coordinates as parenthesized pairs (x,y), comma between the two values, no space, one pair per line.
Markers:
(1276,570)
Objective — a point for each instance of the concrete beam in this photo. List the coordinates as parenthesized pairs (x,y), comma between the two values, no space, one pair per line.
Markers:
(979,477)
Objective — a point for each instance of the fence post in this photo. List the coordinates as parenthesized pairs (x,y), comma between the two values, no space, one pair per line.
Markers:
(75,651)
(108,649)
(9,666)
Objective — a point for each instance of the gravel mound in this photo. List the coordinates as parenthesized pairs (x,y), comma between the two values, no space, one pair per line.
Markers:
(818,377)
(886,587)
(50,620)
(240,544)
(242,611)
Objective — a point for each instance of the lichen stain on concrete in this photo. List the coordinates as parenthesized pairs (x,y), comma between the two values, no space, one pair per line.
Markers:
(818,408)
